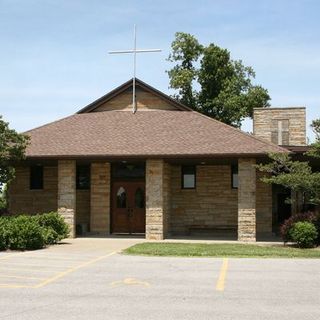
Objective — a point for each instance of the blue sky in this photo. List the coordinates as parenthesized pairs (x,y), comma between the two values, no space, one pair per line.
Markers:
(54,61)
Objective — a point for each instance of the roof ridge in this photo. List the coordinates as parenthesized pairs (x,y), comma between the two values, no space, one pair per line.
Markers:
(240,131)
(118,90)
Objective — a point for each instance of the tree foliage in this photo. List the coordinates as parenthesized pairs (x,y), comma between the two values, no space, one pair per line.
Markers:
(12,149)
(315,147)
(209,81)
(295,175)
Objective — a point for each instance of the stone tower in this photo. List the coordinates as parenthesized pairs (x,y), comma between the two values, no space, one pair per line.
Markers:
(282,126)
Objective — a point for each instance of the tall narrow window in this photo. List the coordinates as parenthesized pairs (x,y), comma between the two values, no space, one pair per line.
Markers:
(139,198)
(83,177)
(234,177)
(121,198)
(36,177)
(188,175)
(280,132)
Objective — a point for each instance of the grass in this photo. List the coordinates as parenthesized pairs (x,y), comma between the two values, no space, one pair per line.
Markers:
(220,250)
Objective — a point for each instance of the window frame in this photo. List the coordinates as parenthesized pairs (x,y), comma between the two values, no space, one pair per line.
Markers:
(33,184)
(185,168)
(234,170)
(78,169)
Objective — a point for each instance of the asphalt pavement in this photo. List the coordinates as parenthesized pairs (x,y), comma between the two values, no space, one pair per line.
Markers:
(90,279)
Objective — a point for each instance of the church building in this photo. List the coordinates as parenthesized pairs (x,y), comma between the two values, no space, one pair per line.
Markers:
(163,170)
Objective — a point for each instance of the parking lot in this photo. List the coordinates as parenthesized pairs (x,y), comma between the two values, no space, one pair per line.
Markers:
(89,279)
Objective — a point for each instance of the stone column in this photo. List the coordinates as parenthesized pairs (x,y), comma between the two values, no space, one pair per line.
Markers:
(156,199)
(263,206)
(67,193)
(100,198)
(247,200)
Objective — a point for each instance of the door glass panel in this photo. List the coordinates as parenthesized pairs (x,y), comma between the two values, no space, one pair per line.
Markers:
(121,198)
(139,198)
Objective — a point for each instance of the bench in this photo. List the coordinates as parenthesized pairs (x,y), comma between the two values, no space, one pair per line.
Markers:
(200,227)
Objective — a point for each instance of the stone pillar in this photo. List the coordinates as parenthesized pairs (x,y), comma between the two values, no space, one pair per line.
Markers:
(100,198)
(247,200)
(67,193)
(263,206)
(156,200)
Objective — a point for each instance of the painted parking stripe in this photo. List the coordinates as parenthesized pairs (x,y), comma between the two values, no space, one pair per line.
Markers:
(222,276)
(9,263)
(20,277)
(18,286)
(12,255)
(70,270)
(26,270)
(58,275)
(57,258)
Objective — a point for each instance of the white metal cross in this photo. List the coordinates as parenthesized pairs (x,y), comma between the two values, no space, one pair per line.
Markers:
(134,51)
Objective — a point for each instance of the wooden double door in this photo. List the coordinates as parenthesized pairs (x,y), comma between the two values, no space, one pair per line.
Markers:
(128,213)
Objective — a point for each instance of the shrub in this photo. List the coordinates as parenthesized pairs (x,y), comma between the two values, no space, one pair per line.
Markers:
(50,235)
(288,224)
(25,234)
(304,234)
(4,233)
(56,227)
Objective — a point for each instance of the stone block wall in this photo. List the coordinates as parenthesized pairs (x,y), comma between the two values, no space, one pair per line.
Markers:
(157,199)
(24,200)
(247,200)
(212,203)
(293,124)
(100,198)
(263,206)
(83,207)
(169,209)
(67,193)
(166,197)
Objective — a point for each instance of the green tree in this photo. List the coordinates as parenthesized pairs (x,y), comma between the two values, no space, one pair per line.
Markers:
(294,175)
(209,81)
(12,149)
(315,147)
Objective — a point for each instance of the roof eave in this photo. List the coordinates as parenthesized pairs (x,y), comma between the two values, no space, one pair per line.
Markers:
(150,156)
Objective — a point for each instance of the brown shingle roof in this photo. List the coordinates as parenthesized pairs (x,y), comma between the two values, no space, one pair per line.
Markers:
(144,134)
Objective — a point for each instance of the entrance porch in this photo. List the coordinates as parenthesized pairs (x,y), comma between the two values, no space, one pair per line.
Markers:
(160,198)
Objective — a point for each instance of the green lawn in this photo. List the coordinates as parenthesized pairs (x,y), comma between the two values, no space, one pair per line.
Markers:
(220,250)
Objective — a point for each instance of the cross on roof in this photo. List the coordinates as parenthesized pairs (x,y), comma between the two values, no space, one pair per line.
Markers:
(134,51)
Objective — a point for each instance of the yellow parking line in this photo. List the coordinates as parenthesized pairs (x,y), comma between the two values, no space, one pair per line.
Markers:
(4,285)
(20,277)
(57,258)
(70,270)
(12,255)
(34,265)
(222,277)
(24,269)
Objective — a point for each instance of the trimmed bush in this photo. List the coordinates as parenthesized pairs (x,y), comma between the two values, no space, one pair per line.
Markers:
(50,236)
(306,216)
(25,234)
(4,233)
(304,234)
(54,222)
